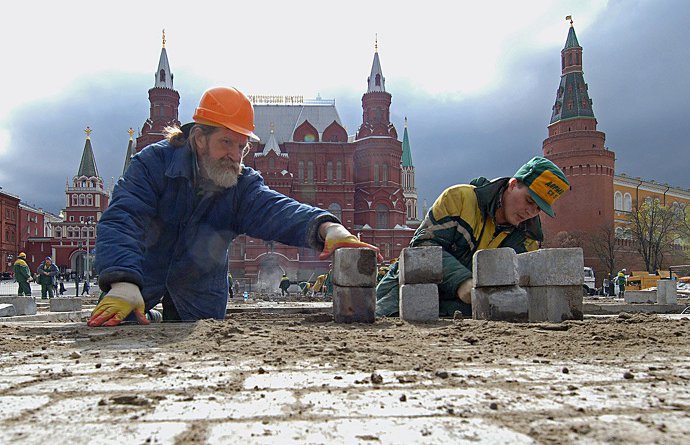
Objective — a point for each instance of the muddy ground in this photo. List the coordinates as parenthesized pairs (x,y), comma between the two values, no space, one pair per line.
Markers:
(300,378)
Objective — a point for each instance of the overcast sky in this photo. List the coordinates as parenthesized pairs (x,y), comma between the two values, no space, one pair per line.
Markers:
(476,82)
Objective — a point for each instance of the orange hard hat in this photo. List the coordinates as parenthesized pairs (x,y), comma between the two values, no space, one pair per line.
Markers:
(226,107)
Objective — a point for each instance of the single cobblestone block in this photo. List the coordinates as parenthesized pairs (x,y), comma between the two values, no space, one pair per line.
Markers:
(354,304)
(354,268)
(65,304)
(554,267)
(420,265)
(555,303)
(640,296)
(505,303)
(523,269)
(666,292)
(419,302)
(23,305)
(495,267)
(7,310)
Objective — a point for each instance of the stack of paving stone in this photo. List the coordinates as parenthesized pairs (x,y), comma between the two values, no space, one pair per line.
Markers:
(421,269)
(22,305)
(354,285)
(65,304)
(544,285)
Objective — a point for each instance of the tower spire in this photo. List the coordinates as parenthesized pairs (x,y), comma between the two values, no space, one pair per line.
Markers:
(376,81)
(87,167)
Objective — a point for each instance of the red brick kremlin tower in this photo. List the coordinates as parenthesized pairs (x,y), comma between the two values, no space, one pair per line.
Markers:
(164,104)
(575,145)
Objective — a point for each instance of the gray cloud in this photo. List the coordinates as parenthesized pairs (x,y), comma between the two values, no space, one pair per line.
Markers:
(636,63)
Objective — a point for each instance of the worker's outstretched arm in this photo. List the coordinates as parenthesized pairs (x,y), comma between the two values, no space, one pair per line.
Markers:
(336,236)
(121,300)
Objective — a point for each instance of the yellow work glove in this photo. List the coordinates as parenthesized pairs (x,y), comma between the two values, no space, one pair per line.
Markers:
(338,236)
(118,303)
(464,291)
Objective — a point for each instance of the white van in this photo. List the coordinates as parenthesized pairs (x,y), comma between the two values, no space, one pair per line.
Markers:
(588,285)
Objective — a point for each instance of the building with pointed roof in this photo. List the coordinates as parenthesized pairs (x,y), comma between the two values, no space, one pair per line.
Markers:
(75,235)
(165,102)
(578,148)
(408,181)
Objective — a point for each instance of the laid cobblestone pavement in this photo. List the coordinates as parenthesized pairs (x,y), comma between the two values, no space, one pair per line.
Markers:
(272,378)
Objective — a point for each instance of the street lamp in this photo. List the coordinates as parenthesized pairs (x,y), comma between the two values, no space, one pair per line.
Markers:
(87,270)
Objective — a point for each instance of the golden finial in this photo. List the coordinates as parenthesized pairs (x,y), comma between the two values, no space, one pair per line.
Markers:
(131,132)
(569,17)
(163,37)
(88,131)
(376,43)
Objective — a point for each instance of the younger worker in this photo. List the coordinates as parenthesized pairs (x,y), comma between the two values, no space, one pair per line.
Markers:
(22,274)
(173,214)
(284,285)
(481,215)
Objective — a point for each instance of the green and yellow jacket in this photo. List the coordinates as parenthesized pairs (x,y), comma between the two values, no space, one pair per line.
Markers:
(21,271)
(462,221)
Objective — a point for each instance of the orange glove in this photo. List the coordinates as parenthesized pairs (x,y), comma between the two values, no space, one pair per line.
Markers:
(118,303)
(338,236)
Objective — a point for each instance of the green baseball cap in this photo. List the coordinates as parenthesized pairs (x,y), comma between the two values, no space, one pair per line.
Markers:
(544,180)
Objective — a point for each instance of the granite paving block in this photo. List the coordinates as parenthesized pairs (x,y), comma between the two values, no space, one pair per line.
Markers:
(495,267)
(420,265)
(354,268)
(7,310)
(65,304)
(666,292)
(354,304)
(505,303)
(22,305)
(419,302)
(554,267)
(555,303)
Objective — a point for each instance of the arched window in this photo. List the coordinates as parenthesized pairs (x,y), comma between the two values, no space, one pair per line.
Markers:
(58,232)
(339,171)
(300,171)
(75,201)
(619,233)
(618,201)
(162,76)
(376,174)
(89,200)
(381,216)
(384,174)
(81,200)
(336,210)
(329,171)
(377,80)
(627,202)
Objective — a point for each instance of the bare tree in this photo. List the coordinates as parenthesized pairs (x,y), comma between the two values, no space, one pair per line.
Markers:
(604,246)
(654,228)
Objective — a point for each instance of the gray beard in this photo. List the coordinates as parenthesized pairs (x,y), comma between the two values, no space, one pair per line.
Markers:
(222,173)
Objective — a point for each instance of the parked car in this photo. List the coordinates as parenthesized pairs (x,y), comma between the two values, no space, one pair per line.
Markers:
(588,285)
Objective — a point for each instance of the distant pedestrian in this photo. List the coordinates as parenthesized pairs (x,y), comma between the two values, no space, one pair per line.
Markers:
(87,288)
(47,271)
(284,285)
(231,282)
(620,280)
(22,274)
(62,286)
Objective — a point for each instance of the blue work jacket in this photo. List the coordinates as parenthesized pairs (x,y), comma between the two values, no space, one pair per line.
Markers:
(163,234)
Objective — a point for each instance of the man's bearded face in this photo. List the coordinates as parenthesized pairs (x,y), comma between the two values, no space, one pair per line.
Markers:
(220,156)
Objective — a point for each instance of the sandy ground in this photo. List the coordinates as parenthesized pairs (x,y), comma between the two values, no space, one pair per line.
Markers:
(300,378)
